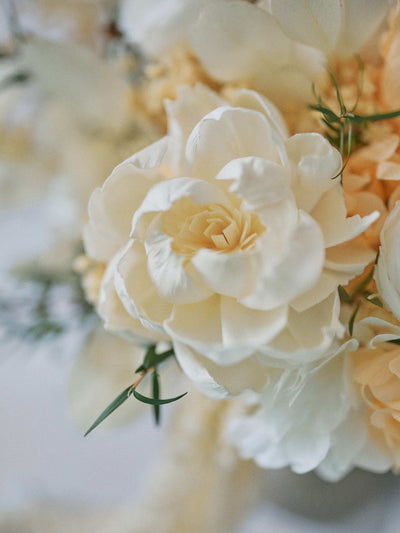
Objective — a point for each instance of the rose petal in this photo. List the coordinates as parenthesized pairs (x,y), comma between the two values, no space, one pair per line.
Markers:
(167,269)
(183,113)
(309,22)
(96,247)
(249,327)
(236,40)
(112,206)
(297,271)
(315,163)
(115,316)
(253,100)
(231,274)
(220,382)
(330,213)
(230,133)
(309,334)
(264,189)
(136,290)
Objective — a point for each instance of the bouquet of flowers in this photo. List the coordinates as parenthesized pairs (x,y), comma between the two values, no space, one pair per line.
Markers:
(258,236)
(253,236)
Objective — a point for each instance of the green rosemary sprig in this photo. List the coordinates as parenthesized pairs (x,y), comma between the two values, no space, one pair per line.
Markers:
(150,363)
(344,129)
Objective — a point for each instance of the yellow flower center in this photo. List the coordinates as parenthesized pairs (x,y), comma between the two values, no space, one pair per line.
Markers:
(211,226)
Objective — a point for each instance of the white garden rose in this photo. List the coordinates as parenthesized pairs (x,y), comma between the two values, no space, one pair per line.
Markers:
(387,272)
(315,417)
(225,234)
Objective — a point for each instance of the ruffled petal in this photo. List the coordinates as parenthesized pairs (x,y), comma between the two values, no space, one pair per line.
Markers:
(230,133)
(220,382)
(112,206)
(136,290)
(96,247)
(330,213)
(231,274)
(190,106)
(199,325)
(387,275)
(297,271)
(235,40)
(250,327)
(264,189)
(310,22)
(167,270)
(308,336)
(115,316)
(253,100)
(315,163)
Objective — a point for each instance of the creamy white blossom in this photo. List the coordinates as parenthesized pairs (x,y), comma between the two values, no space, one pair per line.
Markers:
(315,417)
(387,273)
(226,234)
(299,410)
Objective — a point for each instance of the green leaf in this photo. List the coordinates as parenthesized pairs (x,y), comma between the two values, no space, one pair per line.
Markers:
(156,396)
(119,400)
(395,341)
(18,77)
(329,115)
(364,284)
(153,359)
(361,84)
(360,119)
(375,300)
(338,93)
(344,295)
(153,401)
(352,319)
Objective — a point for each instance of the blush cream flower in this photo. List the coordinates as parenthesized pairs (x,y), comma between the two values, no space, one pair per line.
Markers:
(369,437)
(225,234)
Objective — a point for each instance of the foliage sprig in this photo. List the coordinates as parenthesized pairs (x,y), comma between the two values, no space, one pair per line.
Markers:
(150,364)
(344,129)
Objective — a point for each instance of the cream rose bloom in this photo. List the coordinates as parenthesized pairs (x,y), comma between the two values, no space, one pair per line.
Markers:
(225,236)
(387,273)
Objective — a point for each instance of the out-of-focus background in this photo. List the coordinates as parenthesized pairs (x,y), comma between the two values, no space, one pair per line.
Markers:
(64,124)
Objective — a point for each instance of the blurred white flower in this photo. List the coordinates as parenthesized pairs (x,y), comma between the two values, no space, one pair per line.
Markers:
(72,119)
(234,40)
(80,21)
(237,41)
(158,25)
(224,234)
(335,28)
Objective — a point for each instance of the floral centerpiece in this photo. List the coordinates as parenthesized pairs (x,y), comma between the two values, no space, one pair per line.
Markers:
(253,235)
